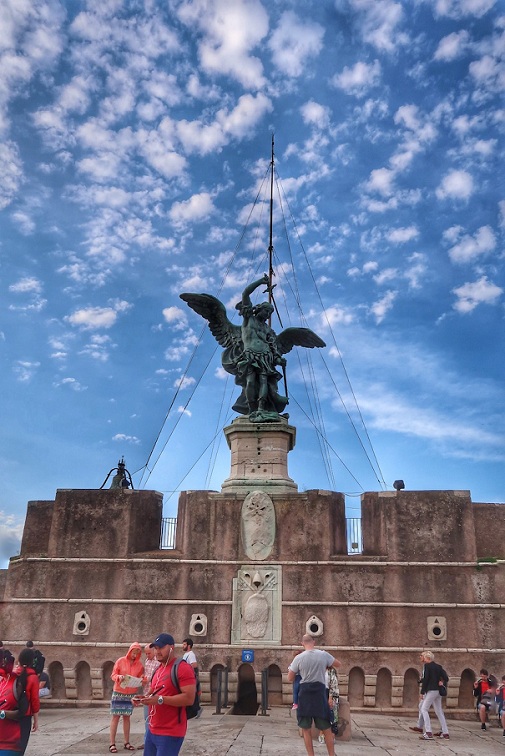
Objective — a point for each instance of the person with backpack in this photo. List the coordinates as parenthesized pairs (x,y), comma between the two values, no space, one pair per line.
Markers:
(173,688)
(434,677)
(19,701)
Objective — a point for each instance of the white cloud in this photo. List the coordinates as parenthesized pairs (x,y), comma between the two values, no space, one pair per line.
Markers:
(26,285)
(461,8)
(91,318)
(379,21)
(469,295)
(72,383)
(315,114)
(488,71)
(381,180)
(123,438)
(25,370)
(12,173)
(456,185)
(501,207)
(174,315)
(380,308)
(176,353)
(11,532)
(452,46)
(402,235)
(243,118)
(358,79)
(336,316)
(196,209)
(230,31)
(385,276)
(184,382)
(24,222)
(469,248)
(294,42)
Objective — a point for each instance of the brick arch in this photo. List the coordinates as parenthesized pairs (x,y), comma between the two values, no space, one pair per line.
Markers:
(356,687)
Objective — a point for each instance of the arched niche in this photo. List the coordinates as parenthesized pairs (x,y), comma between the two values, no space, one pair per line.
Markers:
(356,687)
(83,681)
(411,689)
(247,693)
(57,679)
(214,681)
(384,688)
(274,685)
(107,682)
(466,698)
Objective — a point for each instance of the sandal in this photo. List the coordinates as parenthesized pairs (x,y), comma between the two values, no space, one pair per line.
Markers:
(112,748)
(129,747)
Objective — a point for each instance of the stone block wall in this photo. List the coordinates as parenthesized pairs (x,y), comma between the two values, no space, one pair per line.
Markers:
(95,553)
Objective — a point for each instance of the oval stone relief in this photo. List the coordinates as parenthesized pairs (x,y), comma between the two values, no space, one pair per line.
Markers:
(258,525)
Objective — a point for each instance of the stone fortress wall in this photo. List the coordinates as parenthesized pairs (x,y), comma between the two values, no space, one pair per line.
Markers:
(254,571)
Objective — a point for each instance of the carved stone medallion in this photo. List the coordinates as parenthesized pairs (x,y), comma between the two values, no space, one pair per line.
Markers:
(258,525)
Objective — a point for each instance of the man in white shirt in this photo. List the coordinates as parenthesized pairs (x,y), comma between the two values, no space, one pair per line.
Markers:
(190,657)
(189,654)
(312,664)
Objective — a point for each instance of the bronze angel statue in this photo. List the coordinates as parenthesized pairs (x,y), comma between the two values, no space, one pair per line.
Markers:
(252,350)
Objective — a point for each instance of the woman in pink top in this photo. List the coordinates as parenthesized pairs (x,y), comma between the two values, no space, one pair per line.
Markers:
(122,694)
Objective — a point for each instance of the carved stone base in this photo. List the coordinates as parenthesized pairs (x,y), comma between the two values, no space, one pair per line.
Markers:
(259,456)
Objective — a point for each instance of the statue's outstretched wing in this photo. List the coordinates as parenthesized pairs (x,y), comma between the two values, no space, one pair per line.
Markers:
(304,337)
(210,308)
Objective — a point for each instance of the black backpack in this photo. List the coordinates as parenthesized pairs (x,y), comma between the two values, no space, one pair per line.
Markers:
(193,709)
(39,661)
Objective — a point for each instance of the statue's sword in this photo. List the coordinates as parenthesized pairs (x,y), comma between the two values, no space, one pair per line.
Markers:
(285,382)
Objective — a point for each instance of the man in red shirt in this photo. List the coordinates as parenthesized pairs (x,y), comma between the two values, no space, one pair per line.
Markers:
(167,707)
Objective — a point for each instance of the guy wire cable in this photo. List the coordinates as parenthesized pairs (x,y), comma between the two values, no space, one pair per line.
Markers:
(381,482)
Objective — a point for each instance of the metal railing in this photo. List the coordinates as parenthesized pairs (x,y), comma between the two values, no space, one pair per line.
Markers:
(354,535)
(168,529)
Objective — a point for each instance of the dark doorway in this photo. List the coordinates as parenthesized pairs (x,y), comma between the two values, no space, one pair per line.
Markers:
(247,695)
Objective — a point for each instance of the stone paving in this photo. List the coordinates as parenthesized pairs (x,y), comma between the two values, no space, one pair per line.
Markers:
(85,732)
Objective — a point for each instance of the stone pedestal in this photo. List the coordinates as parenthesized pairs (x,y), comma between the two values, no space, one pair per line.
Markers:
(259,456)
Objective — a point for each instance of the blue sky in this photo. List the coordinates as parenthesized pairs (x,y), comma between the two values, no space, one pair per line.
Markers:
(135,137)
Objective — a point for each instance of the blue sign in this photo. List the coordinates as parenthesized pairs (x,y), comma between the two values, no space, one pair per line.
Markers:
(247,655)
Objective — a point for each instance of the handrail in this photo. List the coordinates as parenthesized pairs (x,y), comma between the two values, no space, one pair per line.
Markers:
(354,536)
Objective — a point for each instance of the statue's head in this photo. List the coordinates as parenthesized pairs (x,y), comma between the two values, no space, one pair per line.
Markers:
(263,310)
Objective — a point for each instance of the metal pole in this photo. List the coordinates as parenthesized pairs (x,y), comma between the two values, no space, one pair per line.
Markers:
(264,692)
(225,691)
(219,690)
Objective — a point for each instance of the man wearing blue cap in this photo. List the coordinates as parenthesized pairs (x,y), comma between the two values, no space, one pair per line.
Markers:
(167,707)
